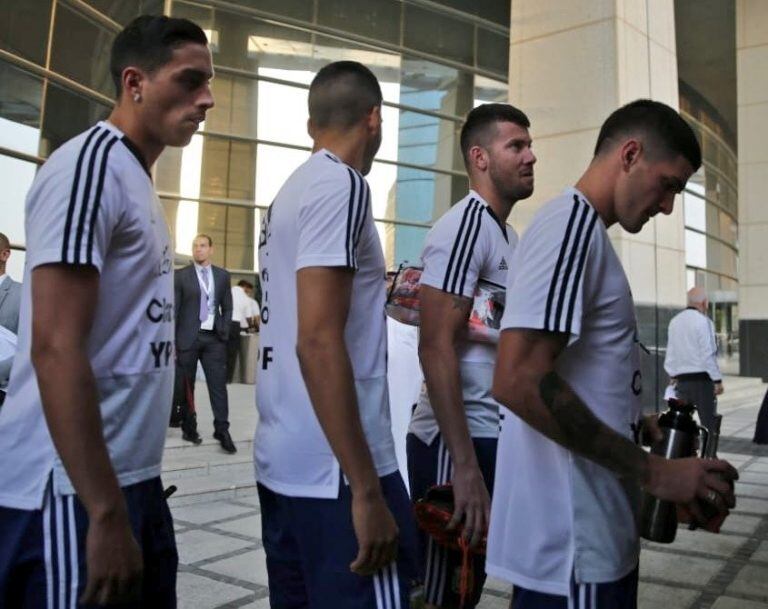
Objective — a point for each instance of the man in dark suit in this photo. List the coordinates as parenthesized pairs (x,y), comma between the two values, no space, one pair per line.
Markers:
(10,301)
(203,314)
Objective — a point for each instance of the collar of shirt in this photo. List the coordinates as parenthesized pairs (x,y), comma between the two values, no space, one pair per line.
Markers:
(3,277)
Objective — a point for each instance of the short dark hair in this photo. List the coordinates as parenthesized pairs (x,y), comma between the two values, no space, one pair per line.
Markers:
(148,42)
(5,243)
(203,236)
(480,125)
(341,94)
(245,284)
(665,131)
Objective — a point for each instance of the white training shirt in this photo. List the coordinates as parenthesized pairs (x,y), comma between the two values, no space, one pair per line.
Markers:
(554,513)
(320,218)
(93,203)
(691,345)
(469,243)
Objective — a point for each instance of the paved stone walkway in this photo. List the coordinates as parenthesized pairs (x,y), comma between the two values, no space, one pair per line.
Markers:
(222,561)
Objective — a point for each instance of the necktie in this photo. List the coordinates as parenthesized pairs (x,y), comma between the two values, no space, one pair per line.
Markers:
(203,295)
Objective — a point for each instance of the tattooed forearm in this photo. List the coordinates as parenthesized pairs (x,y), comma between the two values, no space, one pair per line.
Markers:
(583,433)
(460,302)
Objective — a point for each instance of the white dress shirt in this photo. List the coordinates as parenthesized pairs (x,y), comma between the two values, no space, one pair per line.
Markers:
(243,306)
(3,278)
(210,293)
(691,345)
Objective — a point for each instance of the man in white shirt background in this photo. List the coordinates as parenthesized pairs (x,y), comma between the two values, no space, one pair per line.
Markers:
(244,307)
(10,300)
(691,360)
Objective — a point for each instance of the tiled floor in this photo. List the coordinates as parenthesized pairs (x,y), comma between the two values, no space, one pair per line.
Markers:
(222,562)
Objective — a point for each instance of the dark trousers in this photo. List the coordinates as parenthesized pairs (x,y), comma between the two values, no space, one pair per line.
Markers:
(233,346)
(699,389)
(211,351)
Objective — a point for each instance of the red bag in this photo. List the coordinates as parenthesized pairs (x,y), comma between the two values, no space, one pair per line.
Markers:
(433,513)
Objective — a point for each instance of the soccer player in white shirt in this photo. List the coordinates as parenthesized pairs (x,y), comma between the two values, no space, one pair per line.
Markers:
(454,428)
(83,516)
(563,519)
(336,519)
(691,358)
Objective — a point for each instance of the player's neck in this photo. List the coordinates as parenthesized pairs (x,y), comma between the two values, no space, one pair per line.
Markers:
(203,263)
(597,187)
(129,124)
(346,146)
(500,206)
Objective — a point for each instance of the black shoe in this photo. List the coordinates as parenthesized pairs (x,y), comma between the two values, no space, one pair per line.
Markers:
(192,436)
(225,440)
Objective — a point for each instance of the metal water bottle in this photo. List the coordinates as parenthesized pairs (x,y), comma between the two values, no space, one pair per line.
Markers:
(658,519)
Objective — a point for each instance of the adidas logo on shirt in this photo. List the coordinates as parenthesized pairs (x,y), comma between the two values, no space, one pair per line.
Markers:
(503,264)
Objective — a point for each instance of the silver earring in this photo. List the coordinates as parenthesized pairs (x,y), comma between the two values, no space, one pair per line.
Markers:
(137,97)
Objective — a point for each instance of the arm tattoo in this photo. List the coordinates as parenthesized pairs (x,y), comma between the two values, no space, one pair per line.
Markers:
(583,433)
(459,302)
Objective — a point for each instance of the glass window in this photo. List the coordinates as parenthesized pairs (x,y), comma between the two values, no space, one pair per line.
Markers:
(275,103)
(24,28)
(488,91)
(491,10)
(273,166)
(123,12)
(695,249)
(66,115)
(426,140)
(493,52)
(239,239)
(695,211)
(431,86)
(86,62)
(227,169)
(439,34)
(20,95)
(16,177)
(375,19)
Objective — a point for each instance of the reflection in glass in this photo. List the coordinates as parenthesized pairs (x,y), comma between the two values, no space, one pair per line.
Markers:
(66,115)
(24,28)
(20,95)
(86,62)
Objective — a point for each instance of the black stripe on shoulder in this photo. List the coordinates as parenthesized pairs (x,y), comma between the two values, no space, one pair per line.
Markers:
(580,269)
(471,249)
(559,264)
(474,215)
(73,194)
(350,207)
(567,282)
(97,199)
(366,199)
(455,248)
(87,195)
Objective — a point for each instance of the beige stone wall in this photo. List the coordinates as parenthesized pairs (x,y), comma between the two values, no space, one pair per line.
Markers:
(573,63)
(752,95)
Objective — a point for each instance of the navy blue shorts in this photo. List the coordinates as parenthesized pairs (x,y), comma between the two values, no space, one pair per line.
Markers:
(311,542)
(42,552)
(427,466)
(621,594)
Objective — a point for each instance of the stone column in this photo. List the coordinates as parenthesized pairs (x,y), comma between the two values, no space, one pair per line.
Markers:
(752,95)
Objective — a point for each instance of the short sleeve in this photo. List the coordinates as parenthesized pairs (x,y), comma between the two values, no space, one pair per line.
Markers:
(545,284)
(72,207)
(331,219)
(455,251)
